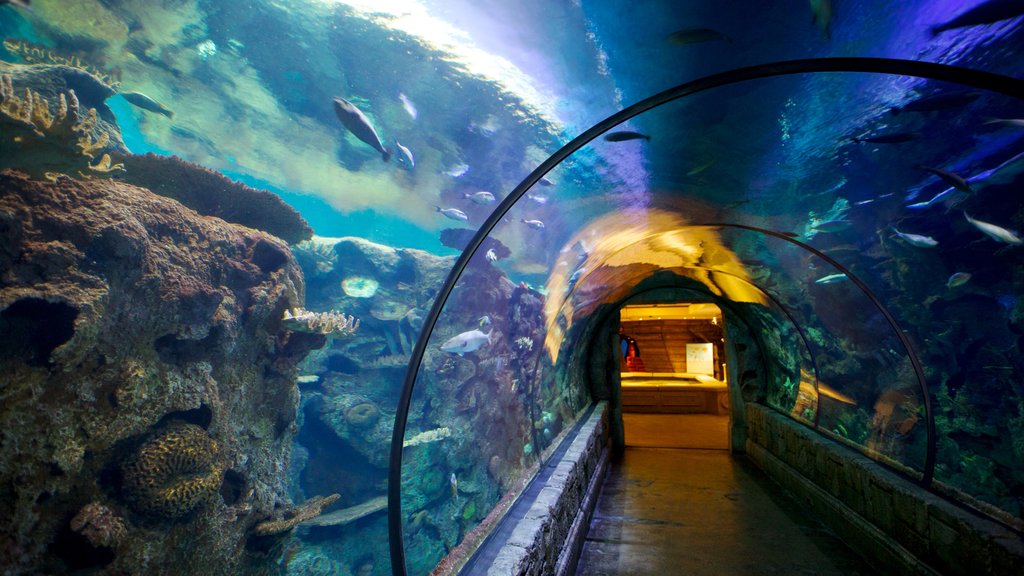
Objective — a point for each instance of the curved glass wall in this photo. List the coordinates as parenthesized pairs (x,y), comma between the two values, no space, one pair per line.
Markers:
(227,224)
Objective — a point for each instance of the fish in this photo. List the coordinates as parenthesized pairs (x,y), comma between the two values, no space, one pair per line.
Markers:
(146,103)
(359,125)
(957,279)
(822,16)
(624,135)
(831,279)
(469,341)
(535,224)
(950,178)
(457,171)
(491,256)
(18,3)
(455,487)
(891,138)
(410,108)
(917,239)
(538,198)
(987,13)
(405,156)
(696,36)
(453,213)
(997,233)
(832,225)
(545,182)
(481,197)
(937,101)
(1008,122)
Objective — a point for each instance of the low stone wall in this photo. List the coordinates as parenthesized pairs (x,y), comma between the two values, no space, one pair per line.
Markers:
(549,538)
(899,527)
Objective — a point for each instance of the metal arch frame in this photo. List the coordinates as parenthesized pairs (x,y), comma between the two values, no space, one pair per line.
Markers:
(975,78)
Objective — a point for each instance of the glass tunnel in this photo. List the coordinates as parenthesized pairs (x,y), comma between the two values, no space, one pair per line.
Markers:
(312,287)
(858,314)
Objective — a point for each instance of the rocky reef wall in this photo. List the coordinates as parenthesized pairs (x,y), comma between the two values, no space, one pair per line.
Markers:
(147,388)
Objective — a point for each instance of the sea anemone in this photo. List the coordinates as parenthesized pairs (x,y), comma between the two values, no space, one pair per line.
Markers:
(359,287)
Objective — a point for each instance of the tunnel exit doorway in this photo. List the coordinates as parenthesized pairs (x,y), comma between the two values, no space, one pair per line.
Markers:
(673,371)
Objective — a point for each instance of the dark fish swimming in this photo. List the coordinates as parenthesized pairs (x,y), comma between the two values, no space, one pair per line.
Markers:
(939,101)
(696,36)
(893,138)
(987,13)
(954,180)
(359,125)
(624,135)
(146,103)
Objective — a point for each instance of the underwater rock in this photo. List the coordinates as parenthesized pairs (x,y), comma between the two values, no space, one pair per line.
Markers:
(291,518)
(358,422)
(213,194)
(122,312)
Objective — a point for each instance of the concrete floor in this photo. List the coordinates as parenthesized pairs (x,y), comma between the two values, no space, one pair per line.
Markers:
(667,511)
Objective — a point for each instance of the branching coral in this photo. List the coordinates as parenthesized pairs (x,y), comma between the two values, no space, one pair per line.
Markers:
(174,472)
(292,517)
(428,436)
(302,320)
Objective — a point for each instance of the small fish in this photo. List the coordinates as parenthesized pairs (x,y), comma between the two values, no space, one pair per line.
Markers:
(893,138)
(469,341)
(950,178)
(917,239)
(624,135)
(832,225)
(481,197)
(696,36)
(997,233)
(405,158)
(937,101)
(831,279)
(1008,122)
(957,279)
(491,256)
(453,213)
(146,103)
(457,171)
(538,198)
(410,108)
(987,13)
(359,125)
(455,487)
(822,16)
(545,182)
(18,3)
(535,224)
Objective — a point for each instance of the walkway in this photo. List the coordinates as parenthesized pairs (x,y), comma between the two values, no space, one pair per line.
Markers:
(693,512)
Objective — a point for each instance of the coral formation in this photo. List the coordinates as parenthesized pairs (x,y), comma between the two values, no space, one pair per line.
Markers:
(213,194)
(302,320)
(359,287)
(174,472)
(363,415)
(35,54)
(294,516)
(428,436)
(100,525)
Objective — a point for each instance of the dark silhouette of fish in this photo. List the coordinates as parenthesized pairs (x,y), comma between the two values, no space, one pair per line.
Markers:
(987,13)
(624,135)
(696,36)
(894,138)
(146,103)
(359,125)
(939,101)
(954,180)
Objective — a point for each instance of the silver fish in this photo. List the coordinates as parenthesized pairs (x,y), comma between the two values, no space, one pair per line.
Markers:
(538,198)
(18,3)
(491,256)
(410,109)
(359,125)
(454,483)
(997,233)
(831,279)
(1008,122)
(453,213)
(146,103)
(469,341)
(957,279)
(457,171)
(481,197)
(405,156)
(535,224)
(917,239)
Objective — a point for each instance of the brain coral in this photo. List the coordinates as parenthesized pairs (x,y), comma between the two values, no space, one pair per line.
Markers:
(174,472)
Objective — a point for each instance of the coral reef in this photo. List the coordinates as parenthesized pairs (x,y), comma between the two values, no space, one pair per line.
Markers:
(31,53)
(294,516)
(174,472)
(213,194)
(125,316)
(303,320)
